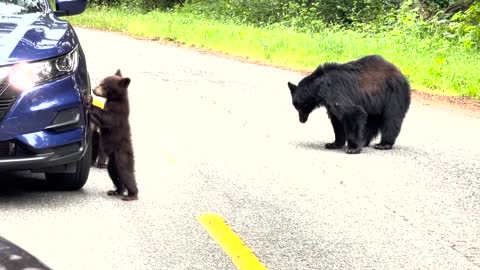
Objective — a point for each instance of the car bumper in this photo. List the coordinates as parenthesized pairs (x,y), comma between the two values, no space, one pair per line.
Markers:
(45,127)
(49,160)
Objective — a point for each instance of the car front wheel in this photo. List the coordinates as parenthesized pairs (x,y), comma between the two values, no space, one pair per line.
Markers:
(72,181)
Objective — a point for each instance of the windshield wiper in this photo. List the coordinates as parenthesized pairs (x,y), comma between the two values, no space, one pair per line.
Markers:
(23,11)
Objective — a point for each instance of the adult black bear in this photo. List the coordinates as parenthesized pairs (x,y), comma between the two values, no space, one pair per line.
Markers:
(362,98)
(116,134)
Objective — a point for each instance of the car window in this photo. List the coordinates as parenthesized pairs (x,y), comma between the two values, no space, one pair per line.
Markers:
(17,7)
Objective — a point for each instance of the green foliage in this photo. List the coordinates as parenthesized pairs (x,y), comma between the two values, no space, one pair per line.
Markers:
(258,12)
(444,66)
(437,41)
(429,8)
(429,19)
(302,14)
(465,26)
(141,5)
(348,11)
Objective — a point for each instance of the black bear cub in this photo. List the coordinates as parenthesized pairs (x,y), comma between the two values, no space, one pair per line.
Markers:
(113,121)
(363,98)
(99,158)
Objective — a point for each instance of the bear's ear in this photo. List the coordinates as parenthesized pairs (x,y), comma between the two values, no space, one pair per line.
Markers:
(293,88)
(118,73)
(125,82)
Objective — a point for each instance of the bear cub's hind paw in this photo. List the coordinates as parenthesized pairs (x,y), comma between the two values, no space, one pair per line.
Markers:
(130,198)
(333,146)
(101,165)
(354,150)
(114,193)
(383,146)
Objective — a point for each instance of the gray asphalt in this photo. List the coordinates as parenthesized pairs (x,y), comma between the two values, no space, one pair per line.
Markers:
(213,134)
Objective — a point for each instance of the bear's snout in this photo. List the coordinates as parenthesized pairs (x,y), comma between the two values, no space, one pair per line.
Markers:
(98,91)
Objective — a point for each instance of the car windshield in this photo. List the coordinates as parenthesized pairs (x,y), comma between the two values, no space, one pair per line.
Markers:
(17,7)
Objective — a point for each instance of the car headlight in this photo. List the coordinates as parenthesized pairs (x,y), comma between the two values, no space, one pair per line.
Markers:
(24,76)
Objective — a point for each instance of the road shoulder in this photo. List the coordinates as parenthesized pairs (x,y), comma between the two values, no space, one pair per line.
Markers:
(462,105)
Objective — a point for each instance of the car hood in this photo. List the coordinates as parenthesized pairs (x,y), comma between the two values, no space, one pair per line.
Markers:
(32,37)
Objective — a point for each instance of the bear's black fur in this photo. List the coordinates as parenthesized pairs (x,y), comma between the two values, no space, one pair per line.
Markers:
(363,97)
(99,158)
(115,138)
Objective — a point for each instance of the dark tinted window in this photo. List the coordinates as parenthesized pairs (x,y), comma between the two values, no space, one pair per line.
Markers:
(17,7)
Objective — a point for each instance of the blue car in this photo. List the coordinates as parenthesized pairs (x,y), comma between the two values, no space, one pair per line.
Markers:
(44,89)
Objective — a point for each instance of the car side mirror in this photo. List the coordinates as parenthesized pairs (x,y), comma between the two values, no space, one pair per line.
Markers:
(69,7)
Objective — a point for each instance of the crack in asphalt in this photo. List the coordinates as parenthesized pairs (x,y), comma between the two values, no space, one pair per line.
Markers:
(471,258)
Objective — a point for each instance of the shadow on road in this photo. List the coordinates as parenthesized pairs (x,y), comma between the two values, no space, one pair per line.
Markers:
(316,146)
(398,150)
(21,186)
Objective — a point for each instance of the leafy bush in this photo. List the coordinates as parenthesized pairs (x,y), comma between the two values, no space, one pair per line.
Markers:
(255,12)
(304,14)
(144,5)
(465,26)
(439,22)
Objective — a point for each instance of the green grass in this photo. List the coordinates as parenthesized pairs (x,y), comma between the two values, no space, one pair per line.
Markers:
(451,71)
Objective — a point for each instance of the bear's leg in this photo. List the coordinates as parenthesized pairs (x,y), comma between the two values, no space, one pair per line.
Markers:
(102,157)
(395,111)
(339,131)
(390,130)
(355,120)
(113,172)
(125,169)
(95,145)
(372,128)
(99,157)
(128,178)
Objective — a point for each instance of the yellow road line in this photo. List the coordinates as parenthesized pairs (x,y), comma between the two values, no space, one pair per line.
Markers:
(168,157)
(241,255)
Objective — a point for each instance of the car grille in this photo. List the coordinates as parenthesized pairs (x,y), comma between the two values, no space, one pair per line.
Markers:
(4,105)
(68,149)
(6,149)
(7,96)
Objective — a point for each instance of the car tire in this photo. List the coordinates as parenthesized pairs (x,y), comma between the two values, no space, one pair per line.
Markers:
(72,181)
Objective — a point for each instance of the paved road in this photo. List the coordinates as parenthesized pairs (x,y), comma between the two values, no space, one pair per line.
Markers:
(216,135)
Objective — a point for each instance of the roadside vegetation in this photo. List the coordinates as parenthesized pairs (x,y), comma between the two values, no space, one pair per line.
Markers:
(436,43)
